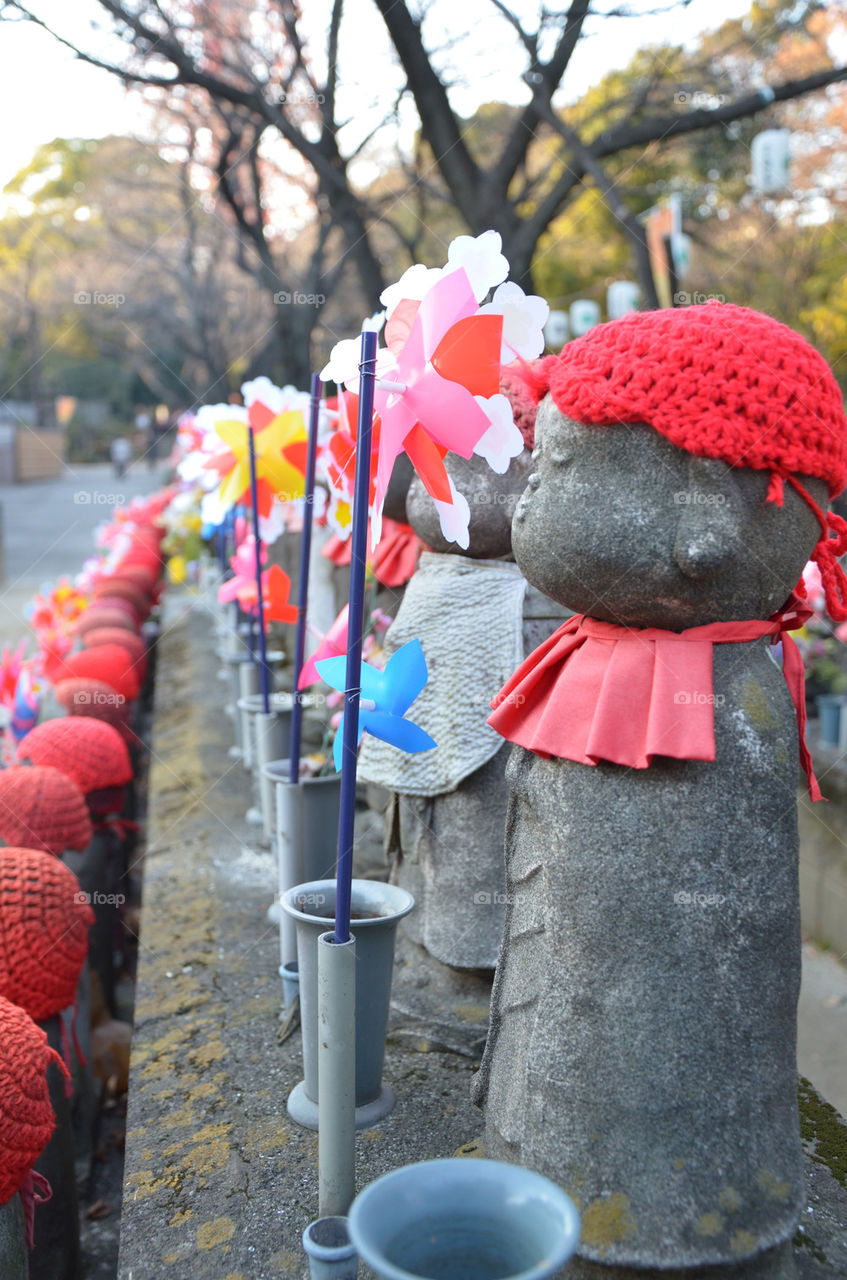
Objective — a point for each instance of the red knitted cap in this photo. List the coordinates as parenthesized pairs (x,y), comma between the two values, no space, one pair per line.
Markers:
(719,381)
(125,606)
(44,923)
(99,615)
(134,644)
(41,808)
(513,385)
(89,751)
(124,589)
(84,697)
(109,663)
(26,1115)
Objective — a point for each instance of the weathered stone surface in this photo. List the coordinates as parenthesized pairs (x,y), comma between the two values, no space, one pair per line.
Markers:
(492,500)
(642,1050)
(617,523)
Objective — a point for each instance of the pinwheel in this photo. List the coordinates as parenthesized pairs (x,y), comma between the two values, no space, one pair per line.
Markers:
(244,568)
(276,589)
(332,645)
(385,698)
(280,441)
(438,380)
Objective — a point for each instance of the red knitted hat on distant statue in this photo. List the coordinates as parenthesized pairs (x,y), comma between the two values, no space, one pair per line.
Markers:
(134,644)
(84,697)
(110,663)
(719,381)
(44,923)
(102,615)
(26,1115)
(89,751)
(41,808)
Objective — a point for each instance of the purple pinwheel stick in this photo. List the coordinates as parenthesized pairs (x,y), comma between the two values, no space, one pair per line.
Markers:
(303,585)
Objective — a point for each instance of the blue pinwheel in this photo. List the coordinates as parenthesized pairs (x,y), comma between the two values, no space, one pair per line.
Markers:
(385,698)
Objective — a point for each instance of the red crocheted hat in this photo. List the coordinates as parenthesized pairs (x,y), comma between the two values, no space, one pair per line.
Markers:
(126,606)
(26,1115)
(719,381)
(86,697)
(98,615)
(42,808)
(89,751)
(134,644)
(109,663)
(44,923)
(513,385)
(115,588)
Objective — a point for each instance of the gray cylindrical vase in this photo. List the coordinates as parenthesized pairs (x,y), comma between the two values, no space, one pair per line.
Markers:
(464,1219)
(830,716)
(306,836)
(312,906)
(275,729)
(331,1255)
(248,683)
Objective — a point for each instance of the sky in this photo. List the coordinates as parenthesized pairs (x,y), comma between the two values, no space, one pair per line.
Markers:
(46,93)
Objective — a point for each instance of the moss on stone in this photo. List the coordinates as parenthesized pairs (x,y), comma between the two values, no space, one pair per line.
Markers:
(823,1131)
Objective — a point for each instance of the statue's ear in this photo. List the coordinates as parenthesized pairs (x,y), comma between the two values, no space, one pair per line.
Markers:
(709,529)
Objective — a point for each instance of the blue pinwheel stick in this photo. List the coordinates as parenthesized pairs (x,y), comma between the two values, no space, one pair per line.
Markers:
(386,697)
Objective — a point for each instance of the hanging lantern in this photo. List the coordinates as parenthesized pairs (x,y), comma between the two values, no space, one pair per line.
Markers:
(622,297)
(770,154)
(556,330)
(584,314)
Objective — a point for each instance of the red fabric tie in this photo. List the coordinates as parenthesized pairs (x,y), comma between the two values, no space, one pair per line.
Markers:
(34,1190)
(597,691)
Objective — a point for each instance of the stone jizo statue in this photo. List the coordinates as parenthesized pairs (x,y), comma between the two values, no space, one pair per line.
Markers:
(642,1049)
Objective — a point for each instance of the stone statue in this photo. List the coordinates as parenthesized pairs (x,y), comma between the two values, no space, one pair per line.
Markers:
(642,1049)
(446,815)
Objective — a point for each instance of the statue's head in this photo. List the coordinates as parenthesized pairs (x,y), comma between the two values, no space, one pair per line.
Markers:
(492,498)
(683,459)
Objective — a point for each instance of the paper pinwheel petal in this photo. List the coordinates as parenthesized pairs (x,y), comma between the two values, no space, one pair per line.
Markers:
(414,284)
(502,441)
(469,353)
(398,732)
(524,316)
(455,518)
(482,260)
(333,644)
(276,588)
(402,680)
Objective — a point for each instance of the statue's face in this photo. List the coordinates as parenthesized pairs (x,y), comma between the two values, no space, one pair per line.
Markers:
(492,500)
(619,523)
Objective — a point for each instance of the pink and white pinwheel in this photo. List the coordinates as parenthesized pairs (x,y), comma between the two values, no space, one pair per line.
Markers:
(332,645)
(243,564)
(438,377)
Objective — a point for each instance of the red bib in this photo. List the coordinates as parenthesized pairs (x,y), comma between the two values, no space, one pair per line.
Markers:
(597,691)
